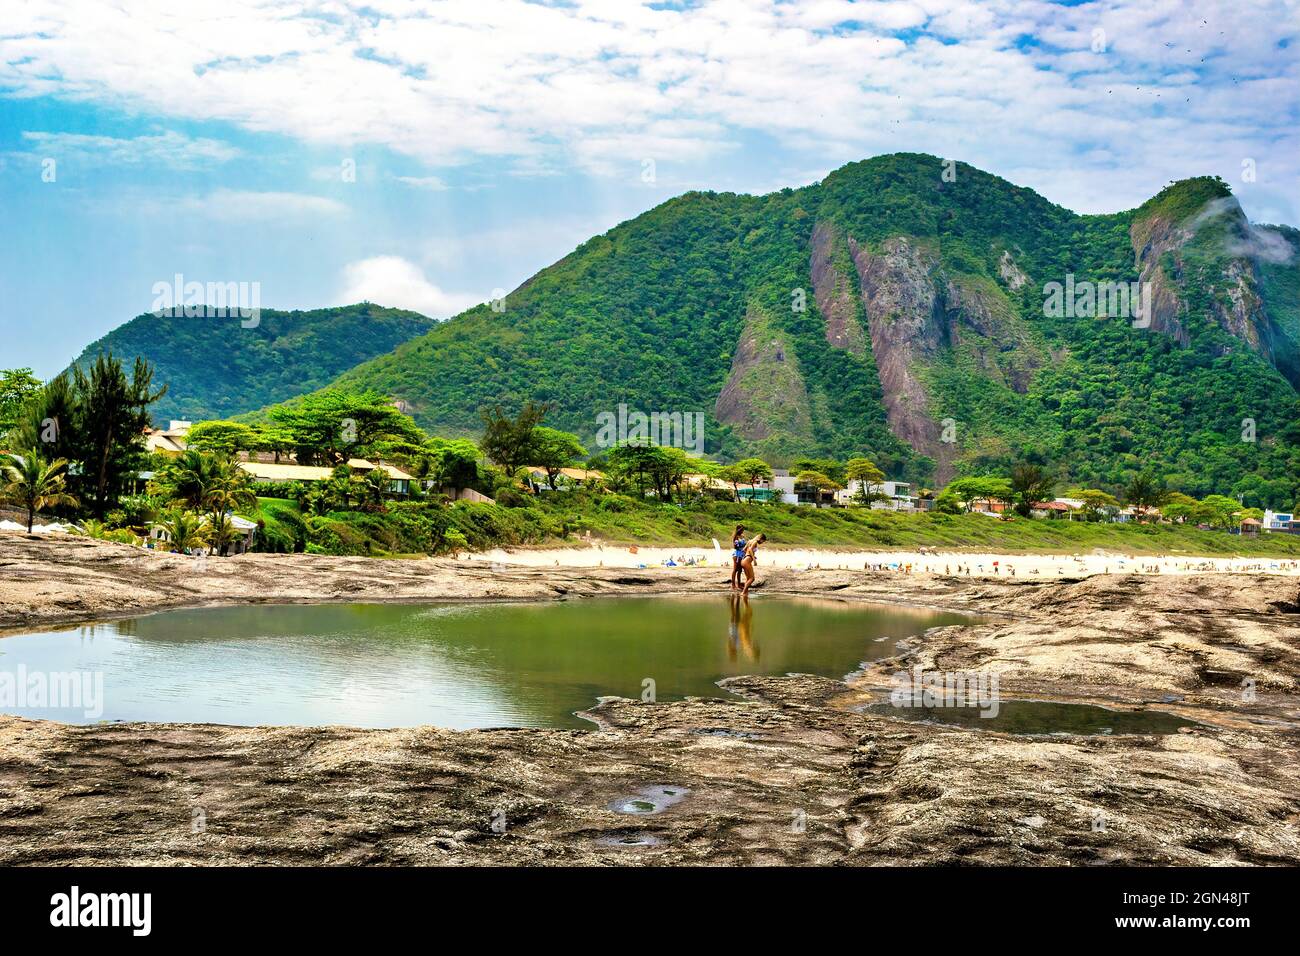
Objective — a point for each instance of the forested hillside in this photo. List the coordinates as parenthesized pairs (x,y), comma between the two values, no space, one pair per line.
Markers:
(893,311)
(215,368)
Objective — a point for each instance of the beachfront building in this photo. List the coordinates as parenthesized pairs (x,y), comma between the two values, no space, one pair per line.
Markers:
(888,495)
(1053,509)
(539,479)
(169,441)
(780,487)
(279,472)
(1129,514)
(1281,521)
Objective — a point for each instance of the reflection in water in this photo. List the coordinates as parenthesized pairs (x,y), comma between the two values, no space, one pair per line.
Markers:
(741,631)
(450,665)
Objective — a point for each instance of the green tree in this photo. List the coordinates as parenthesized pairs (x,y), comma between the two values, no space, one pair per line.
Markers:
(1179,507)
(829,467)
(185,530)
(814,482)
(332,426)
(1096,503)
(111,413)
(510,442)
(208,483)
(980,488)
(47,420)
(33,482)
(1144,492)
(341,487)
(868,476)
(222,437)
(1220,511)
(454,463)
(642,463)
(135,512)
(554,450)
(752,471)
(732,475)
(1029,486)
(17,387)
(373,488)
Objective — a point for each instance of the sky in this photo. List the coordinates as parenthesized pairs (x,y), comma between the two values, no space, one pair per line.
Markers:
(427,153)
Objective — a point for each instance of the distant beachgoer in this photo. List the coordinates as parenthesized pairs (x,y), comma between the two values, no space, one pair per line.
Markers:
(737,555)
(747,562)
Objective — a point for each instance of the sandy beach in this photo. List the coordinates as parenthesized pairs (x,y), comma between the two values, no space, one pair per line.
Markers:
(962,563)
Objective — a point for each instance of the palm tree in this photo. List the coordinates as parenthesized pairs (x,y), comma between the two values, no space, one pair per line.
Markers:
(211,483)
(373,486)
(220,531)
(187,479)
(184,530)
(34,483)
(229,488)
(341,486)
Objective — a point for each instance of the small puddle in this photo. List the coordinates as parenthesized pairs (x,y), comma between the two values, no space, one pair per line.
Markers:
(650,800)
(630,840)
(1041,717)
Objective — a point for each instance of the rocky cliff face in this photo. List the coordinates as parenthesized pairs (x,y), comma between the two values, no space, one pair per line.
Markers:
(1217,250)
(907,328)
(833,292)
(765,399)
(1152,241)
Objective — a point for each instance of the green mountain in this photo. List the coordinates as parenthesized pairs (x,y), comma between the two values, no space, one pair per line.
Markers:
(216,367)
(899,312)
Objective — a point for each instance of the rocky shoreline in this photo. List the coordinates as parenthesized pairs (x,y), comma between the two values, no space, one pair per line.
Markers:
(794,771)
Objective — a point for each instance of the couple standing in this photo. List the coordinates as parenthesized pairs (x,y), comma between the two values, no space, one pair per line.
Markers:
(742,559)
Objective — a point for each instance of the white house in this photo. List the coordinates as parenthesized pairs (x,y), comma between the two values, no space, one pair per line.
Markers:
(897,495)
(169,441)
(1278,520)
(780,487)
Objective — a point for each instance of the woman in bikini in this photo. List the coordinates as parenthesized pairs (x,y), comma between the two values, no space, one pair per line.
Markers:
(737,553)
(748,561)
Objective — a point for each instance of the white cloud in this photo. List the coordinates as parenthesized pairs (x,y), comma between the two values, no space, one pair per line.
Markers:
(169,148)
(235,205)
(398,282)
(1179,87)
(432,183)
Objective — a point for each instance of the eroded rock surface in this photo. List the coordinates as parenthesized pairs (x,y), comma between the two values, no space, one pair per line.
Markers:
(786,771)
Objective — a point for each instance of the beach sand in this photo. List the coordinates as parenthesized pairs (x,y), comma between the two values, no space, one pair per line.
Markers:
(938,562)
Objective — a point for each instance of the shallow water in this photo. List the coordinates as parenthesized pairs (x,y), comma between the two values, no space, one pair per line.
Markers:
(1041,717)
(450,665)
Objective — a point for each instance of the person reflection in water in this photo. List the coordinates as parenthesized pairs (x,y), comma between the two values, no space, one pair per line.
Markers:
(740,632)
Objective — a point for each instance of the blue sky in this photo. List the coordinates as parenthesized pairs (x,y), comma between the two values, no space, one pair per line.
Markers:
(489,137)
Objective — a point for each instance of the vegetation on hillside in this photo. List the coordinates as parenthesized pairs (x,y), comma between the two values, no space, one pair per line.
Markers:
(220,367)
(650,314)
